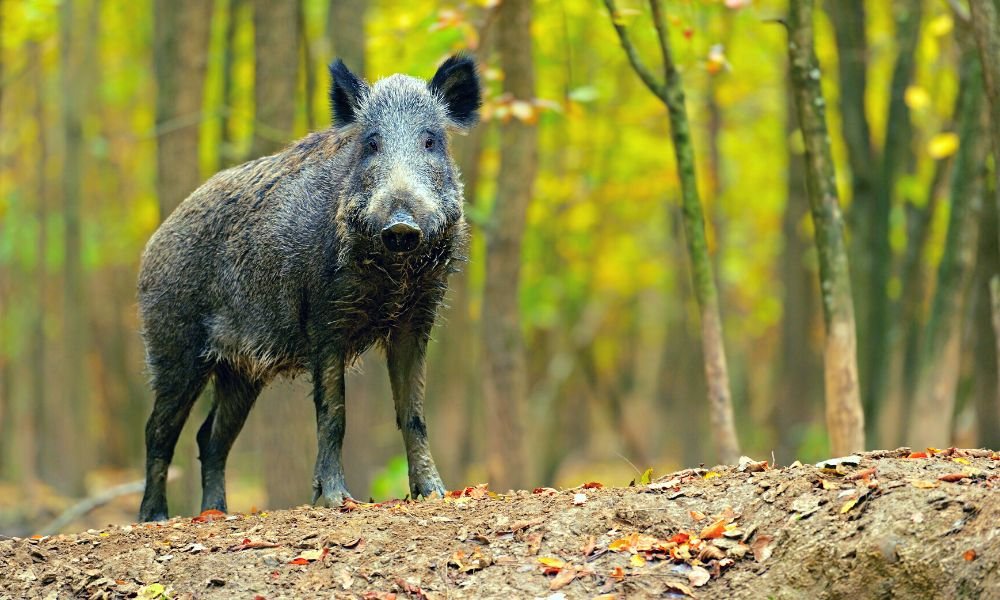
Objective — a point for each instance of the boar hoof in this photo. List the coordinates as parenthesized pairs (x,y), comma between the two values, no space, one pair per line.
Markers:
(430,488)
(331,498)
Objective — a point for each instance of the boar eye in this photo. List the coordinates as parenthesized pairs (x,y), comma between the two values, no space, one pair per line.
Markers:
(373,146)
(429,143)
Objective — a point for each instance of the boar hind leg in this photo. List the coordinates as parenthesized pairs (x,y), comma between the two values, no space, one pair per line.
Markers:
(235,395)
(405,358)
(329,487)
(176,390)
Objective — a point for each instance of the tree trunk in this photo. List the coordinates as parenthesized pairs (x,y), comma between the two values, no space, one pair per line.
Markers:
(671,92)
(346,28)
(180,49)
(796,389)
(67,470)
(504,381)
(275,34)
(844,415)
(986,392)
(896,157)
(931,418)
(228,153)
(986,28)
(286,454)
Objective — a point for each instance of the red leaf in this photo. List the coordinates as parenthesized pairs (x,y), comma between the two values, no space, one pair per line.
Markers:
(917,455)
(681,538)
(298,561)
(969,554)
(209,515)
(593,485)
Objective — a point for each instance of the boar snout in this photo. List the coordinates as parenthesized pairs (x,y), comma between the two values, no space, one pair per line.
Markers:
(402,234)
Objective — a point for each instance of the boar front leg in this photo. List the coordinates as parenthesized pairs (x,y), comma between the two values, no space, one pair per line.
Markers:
(405,358)
(329,488)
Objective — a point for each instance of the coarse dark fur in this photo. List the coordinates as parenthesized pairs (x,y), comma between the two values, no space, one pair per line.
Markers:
(283,265)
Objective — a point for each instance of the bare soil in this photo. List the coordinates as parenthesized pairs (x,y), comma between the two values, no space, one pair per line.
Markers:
(887,526)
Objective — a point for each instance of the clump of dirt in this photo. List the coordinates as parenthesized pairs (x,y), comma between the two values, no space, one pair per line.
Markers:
(882,524)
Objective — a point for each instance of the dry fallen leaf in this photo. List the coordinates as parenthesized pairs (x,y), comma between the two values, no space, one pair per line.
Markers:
(714,530)
(673,586)
(563,578)
(698,576)
(637,561)
(209,515)
(953,477)
(762,547)
(588,546)
(697,515)
(848,505)
(247,544)
(924,484)
(969,554)
(593,485)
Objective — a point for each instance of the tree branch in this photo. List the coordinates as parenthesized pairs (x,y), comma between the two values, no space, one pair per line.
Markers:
(662,37)
(633,56)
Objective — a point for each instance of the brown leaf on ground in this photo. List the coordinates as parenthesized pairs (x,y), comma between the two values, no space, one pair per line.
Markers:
(248,544)
(409,588)
(953,477)
(563,578)
(589,545)
(762,547)
(698,576)
(467,563)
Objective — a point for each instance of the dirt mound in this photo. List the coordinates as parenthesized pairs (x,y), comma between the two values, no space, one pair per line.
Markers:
(875,526)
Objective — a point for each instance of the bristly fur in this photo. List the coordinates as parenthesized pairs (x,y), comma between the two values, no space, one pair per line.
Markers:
(279,266)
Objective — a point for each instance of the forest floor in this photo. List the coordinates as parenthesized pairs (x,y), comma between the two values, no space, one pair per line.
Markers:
(883,524)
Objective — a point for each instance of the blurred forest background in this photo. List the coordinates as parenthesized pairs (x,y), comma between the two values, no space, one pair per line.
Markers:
(111,112)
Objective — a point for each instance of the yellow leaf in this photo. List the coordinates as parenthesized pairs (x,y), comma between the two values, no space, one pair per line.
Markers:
(829,485)
(711,475)
(962,461)
(924,484)
(637,561)
(153,591)
(555,563)
(647,477)
(941,26)
(917,97)
(848,505)
(942,145)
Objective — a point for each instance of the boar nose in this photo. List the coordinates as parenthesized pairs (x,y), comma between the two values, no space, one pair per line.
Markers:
(401,235)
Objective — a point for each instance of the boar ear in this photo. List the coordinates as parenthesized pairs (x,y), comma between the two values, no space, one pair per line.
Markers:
(456,83)
(346,90)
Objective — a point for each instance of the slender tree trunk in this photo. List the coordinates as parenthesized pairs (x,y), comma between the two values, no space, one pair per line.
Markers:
(39,400)
(844,415)
(909,308)
(67,469)
(180,49)
(931,418)
(896,157)
(228,153)
(671,92)
(275,33)
(346,28)
(986,392)
(800,368)
(986,28)
(504,381)
(287,454)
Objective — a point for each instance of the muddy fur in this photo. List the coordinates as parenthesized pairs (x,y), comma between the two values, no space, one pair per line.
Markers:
(277,267)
